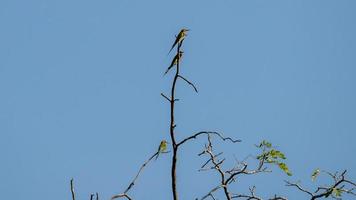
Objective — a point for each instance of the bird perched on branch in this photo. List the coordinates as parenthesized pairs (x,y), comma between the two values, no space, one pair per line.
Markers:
(181,35)
(162,148)
(175,61)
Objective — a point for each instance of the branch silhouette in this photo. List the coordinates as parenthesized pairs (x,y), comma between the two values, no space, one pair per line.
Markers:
(132,183)
(72,189)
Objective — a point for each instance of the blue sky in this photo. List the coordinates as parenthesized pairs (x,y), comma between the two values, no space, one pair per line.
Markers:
(80,85)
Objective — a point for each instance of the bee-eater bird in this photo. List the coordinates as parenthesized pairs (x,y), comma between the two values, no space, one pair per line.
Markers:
(316,172)
(174,61)
(181,35)
(162,148)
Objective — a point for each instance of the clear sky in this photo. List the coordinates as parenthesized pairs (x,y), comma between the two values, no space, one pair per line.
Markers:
(80,85)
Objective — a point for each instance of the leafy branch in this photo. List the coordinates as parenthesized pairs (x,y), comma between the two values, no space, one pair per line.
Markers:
(340,186)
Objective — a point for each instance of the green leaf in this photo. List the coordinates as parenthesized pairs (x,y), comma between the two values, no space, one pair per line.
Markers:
(266,144)
(337,192)
(277,154)
(315,174)
(285,168)
(260,157)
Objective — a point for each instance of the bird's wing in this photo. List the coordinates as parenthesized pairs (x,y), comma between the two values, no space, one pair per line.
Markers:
(172,64)
(174,44)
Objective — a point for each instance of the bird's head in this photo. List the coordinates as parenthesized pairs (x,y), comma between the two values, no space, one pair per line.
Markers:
(185,30)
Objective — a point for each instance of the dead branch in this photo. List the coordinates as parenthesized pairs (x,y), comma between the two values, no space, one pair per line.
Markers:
(194,136)
(72,188)
(229,176)
(253,196)
(211,192)
(163,95)
(190,83)
(216,164)
(132,183)
(121,196)
(339,185)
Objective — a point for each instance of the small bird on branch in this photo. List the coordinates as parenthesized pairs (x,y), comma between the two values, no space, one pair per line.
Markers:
(174,61)
(162,148)
(181,35)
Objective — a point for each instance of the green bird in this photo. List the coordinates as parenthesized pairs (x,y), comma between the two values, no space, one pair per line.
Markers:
(162,148)
(315,173)
(181,35)
(174,61)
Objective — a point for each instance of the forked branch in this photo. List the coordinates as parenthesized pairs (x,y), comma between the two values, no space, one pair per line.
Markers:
(194,136)
(253,196)
(229,176)
(132,183)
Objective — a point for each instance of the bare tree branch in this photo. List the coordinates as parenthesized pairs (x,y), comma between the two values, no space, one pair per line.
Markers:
(207,162)
(190,83)
(72,188)
(278,198)
(229,176)
(121,196)
(163,95)
(194,136)
(299,188)
(217,166)
(252,196)
(171,129)
(132,183)
(210,194)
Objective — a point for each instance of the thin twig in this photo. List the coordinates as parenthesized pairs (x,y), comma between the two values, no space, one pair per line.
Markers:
(72,188)
(190,83)
(139,171)
(165,97)
(132,183)
(217,167)
(211,192)
(253,196)
(194,136)
(278,198)
(207,162)
(299,187)
(122,196)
